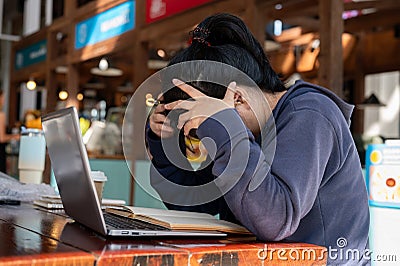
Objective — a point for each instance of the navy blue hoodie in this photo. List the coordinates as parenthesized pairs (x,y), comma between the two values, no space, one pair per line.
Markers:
(314,190)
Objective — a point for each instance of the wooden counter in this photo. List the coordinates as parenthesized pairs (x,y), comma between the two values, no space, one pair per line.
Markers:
(32,236)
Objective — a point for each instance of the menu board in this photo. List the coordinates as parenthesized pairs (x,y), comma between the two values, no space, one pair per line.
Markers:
(383,175)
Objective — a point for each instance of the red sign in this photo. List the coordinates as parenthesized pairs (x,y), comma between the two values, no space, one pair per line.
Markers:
(159,9)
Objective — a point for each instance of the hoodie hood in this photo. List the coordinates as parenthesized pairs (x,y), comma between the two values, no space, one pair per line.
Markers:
(300,87)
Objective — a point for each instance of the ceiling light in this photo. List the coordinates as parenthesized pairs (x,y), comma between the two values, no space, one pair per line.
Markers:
(150,102)
(79,96)
(350,14)
(367,11)
(277,27)
(61,69)
(124,99)
(63,95)
(60,36)
(161,53)
(109,72)
(31,85)
(103,64)
(104,69)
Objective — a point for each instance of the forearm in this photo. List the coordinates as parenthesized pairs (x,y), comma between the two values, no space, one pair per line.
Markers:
(268,201)
(238,161)
(263,202)
(177,186)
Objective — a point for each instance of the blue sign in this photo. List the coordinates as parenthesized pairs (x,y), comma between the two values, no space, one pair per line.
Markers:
(383,175)
(30,55)
(110,23)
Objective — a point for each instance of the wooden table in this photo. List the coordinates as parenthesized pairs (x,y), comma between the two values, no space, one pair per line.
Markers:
(30,236)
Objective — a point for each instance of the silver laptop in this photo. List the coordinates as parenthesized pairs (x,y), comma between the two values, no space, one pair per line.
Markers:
(71,168)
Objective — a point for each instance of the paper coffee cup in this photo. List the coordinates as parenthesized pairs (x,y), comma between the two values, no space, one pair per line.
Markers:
(99,178)
(30,176)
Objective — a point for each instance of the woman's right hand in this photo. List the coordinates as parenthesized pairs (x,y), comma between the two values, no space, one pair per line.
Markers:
(159,123)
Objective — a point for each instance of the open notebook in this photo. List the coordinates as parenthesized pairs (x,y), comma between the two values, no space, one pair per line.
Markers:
(178,220)
(71,168)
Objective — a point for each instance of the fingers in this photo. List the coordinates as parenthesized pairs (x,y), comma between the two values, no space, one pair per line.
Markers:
(201,107)
(188,122)
(159,118)
(229,97)
(230,92)
(170,106)
(159,108)
(159,123)
(185,104)
(161,126)
(162,129)
(192,92)
(183,118)
(166,129)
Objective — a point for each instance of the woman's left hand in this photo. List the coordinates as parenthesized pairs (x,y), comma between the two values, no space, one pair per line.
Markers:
(201,107)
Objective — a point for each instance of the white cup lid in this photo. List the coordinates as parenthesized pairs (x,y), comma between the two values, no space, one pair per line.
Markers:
(98,176)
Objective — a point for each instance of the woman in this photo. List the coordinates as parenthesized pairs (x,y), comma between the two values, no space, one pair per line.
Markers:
(312,191)
(4,137)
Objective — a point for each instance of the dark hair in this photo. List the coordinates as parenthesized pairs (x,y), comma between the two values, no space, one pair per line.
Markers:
(229,54)
(225,38)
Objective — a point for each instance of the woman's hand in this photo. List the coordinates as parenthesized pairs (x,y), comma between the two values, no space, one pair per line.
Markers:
(201,107)
(159,123)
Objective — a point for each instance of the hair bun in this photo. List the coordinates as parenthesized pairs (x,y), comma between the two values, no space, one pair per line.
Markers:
(200,35)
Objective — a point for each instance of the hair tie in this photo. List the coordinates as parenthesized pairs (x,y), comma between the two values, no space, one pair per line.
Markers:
(200,35)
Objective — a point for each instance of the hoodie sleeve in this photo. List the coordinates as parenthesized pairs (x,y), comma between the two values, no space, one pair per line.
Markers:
(285,192)
(170,181)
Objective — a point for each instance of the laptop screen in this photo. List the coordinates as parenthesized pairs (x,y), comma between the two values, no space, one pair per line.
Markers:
(71,168)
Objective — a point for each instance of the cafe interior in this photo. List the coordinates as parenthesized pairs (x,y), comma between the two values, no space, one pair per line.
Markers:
(95,54)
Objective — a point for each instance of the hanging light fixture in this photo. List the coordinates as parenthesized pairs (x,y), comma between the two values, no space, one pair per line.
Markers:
(103,64)
(104,69)
(371,101)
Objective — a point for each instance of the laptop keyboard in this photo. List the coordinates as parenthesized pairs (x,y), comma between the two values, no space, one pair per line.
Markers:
(125,223)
